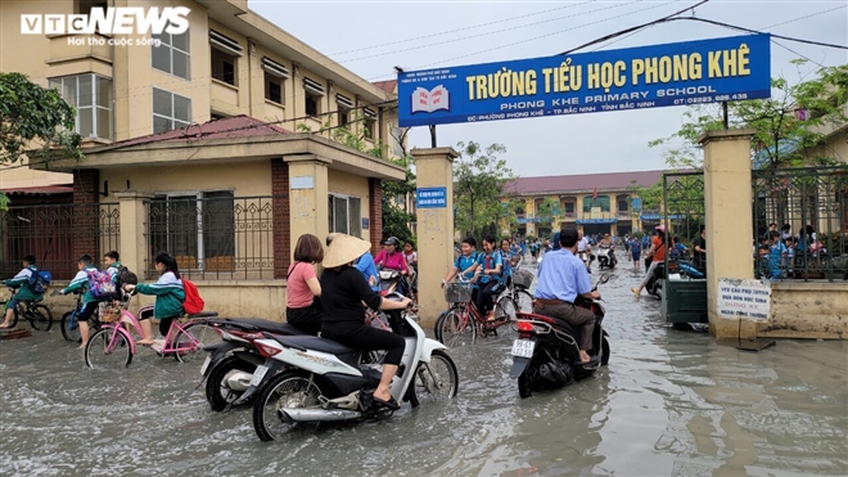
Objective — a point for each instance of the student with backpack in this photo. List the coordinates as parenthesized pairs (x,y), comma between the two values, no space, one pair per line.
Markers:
(97,286)
(170,296)
(120,274)
(30,286)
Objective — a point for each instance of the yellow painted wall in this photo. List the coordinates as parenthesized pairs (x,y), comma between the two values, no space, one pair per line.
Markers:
(249,178)
(807,310)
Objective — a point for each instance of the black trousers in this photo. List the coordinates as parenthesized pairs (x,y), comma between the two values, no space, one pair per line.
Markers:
(360,336)
(306,319)
(485,297)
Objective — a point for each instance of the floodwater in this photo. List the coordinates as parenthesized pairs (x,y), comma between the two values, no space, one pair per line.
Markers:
(670,403)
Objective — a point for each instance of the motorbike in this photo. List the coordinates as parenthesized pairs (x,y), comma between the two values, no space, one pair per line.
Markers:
(228,369)
(606,258)
(587,259)
(325,381)
(655,283)
(546,354)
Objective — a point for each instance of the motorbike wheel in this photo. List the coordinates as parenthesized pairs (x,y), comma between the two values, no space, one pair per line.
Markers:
(606,350)
(458,328)
(40,318)
(527,380)
(436,381)
(288,389)
(218,395)
(70,331)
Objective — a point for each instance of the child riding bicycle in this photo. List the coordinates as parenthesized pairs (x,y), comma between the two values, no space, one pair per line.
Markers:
(21,282)
(170,296)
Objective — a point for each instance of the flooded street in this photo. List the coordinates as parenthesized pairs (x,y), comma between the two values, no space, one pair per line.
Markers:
(670,403)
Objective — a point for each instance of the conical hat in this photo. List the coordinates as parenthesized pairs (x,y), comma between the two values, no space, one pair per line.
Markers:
(343,250)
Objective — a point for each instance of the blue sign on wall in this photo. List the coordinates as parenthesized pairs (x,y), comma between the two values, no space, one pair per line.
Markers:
(432,198)
(693,72)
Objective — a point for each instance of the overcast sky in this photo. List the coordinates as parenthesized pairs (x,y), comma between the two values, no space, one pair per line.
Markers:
(598,142)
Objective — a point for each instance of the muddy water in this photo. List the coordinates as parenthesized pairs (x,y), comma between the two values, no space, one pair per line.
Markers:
(670,403)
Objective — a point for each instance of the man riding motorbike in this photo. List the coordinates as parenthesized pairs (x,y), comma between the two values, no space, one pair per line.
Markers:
(562,276)
(584,251)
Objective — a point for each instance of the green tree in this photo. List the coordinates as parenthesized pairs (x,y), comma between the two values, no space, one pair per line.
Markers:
(35,123)
(479,176)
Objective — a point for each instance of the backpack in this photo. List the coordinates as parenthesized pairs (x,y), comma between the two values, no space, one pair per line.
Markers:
(193,303)
(100,284)
(40,280)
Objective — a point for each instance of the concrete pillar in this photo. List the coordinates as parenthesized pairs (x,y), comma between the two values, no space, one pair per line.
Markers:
(435,231)
(729,221)
(134,216)
(308,196)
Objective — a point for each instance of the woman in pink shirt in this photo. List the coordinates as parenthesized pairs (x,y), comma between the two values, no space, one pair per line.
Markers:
(303,303)
(390,258)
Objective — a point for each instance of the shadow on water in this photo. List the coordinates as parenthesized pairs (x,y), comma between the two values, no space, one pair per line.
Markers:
(670,403)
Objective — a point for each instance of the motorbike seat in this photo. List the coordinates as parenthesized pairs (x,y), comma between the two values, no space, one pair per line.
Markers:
(561,324)
(315,343)
(258,324)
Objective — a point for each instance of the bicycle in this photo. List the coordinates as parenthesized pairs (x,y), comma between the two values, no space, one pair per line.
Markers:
(39,316)
(517,291)
(114,343)
(463,322)
(70,321)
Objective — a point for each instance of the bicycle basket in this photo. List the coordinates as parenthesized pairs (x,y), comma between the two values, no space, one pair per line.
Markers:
(522,278)
(109,312)
(458,292)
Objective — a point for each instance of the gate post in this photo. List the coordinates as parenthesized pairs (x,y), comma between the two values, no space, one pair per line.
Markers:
(134,217)
(729,221)
(434,168)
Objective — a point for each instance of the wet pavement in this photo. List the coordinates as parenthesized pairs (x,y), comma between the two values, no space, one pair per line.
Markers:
(670,403)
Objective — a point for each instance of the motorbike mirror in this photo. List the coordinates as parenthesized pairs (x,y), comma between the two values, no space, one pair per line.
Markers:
(604,278)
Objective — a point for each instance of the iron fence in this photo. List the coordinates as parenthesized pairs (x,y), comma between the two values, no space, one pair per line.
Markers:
(57,235)
(683,212)
(214,235)
(801,223)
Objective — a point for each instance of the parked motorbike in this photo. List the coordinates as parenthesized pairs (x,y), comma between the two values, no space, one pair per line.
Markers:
(228,369)
(606,258)
(546,354)
(655,283)
(327,381)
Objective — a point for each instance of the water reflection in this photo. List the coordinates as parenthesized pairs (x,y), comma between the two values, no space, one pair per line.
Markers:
(670,403)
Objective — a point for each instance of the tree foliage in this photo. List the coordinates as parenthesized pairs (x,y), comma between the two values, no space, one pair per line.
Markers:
(479,176)
(35,123)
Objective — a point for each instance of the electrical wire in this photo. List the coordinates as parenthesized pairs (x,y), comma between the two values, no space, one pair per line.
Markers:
(774,35)
(448,32)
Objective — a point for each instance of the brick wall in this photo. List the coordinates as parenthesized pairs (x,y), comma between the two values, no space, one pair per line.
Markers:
(282,218)
(375,211)
(85,222)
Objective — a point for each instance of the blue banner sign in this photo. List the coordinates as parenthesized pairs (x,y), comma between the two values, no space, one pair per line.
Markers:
(432,198)
(693,72)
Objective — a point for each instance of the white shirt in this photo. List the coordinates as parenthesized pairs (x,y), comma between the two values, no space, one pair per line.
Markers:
(583,244)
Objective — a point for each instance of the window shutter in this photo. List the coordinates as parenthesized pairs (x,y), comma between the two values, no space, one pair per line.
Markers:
(274,68)
(313,87)
(225,43)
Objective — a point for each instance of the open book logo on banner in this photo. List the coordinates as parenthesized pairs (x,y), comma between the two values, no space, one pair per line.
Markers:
(430,101)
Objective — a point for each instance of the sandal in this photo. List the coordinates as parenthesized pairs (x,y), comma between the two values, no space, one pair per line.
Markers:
(391,404)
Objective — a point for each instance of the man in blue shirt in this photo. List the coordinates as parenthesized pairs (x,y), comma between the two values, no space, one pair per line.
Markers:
(562,276)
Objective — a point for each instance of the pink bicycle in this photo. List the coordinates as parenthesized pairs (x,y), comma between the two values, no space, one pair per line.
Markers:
(113,344)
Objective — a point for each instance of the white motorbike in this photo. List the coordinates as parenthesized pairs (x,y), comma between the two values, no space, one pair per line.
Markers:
(323,380)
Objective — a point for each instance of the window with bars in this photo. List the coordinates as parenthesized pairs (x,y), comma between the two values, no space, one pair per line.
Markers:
(345,214)
(91,95)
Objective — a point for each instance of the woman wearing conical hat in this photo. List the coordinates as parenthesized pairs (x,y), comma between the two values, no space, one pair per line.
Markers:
(343,290)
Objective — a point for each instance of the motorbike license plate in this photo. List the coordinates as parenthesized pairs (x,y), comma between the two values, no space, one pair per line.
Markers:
(258,375)
(523,348)
(205,365)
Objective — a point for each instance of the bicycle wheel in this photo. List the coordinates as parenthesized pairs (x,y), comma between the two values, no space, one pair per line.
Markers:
(458,328)
(108,348)
(40,318)
(436,381)
(70,327)
(505,310)
(524,301)
(192,339)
